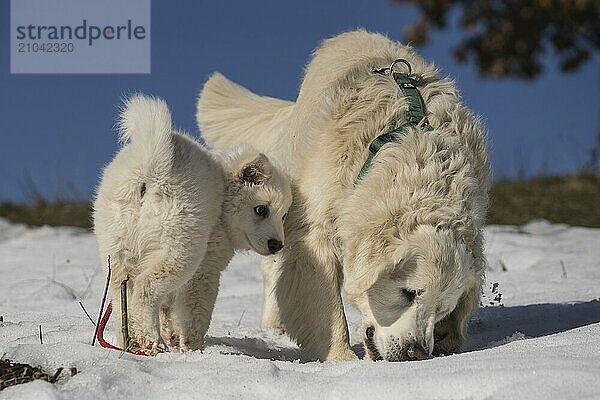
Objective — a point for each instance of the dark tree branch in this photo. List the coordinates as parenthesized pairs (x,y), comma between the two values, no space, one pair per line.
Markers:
(507,38)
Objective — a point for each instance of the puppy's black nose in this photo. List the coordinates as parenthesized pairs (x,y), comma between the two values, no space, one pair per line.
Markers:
(274,245)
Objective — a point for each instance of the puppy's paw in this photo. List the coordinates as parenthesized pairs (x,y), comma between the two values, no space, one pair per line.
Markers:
(144,339)
(147,346)
(170,338)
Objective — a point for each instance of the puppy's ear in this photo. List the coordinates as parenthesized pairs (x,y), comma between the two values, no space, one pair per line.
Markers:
(256,171)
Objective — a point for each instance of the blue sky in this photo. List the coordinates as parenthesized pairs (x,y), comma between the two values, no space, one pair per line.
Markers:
(57,130)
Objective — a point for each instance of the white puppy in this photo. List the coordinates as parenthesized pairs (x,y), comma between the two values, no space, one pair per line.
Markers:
(405,240)
(170,215)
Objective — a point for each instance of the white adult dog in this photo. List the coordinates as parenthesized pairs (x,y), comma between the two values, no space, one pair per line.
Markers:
(170,214)
(406,239)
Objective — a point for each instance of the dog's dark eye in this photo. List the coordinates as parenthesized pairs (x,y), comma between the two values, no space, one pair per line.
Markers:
(261,211)
(410,295)
(284,217)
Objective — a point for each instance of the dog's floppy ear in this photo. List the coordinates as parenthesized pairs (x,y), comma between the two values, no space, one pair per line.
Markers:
(465,307)
(257,171)
(366,269)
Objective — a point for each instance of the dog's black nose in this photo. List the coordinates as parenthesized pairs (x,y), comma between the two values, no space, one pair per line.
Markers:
(370,332)
(274,245)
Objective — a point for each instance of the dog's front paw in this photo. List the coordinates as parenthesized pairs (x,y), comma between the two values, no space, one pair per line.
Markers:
(273,324)
(343,353)
(278,330)
(191,343)
(446,346)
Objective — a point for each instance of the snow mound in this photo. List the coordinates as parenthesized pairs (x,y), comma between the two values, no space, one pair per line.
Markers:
(536,336)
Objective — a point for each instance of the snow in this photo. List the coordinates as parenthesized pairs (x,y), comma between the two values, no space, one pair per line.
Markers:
(537,336)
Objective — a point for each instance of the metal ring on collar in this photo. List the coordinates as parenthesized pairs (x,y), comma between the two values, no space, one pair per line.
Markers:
(403,61)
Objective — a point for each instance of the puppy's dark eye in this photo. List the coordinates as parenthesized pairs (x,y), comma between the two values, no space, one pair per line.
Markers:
(409,294)
(261,211)
(284,217)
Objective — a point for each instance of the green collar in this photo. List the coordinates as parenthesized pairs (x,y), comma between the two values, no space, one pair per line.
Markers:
(416,113)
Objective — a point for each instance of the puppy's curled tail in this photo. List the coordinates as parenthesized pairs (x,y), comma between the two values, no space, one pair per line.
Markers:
(145,123)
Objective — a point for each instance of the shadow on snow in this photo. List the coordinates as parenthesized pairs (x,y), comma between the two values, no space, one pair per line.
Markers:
(489,327)
(257,348)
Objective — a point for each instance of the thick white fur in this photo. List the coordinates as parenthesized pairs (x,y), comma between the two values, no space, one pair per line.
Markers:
(170,214)
(411,226)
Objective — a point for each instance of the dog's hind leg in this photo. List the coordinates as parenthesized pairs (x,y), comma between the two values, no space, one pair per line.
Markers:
(165,272)
(167,328)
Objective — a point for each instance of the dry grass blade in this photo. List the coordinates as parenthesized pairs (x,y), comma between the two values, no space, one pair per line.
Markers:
(241,316)
(86,313)
(564,270)
(14,373)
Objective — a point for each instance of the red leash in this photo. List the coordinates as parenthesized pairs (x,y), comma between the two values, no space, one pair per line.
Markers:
(101,325)
(101,328)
